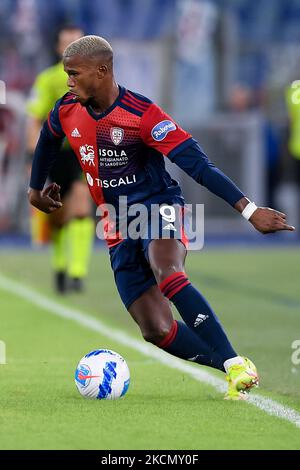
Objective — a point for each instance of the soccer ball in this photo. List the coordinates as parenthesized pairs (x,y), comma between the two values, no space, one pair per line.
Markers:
(102,374)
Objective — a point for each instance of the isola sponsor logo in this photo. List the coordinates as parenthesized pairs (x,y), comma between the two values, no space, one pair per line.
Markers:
(161,130)
(116,182)
(112,153)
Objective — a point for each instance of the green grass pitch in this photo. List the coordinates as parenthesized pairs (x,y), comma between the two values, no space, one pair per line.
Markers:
(257,297)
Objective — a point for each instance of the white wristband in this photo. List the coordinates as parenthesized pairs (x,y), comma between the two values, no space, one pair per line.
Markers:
(249,210)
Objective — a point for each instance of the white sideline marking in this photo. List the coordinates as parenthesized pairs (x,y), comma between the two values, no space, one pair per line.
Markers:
(266,404)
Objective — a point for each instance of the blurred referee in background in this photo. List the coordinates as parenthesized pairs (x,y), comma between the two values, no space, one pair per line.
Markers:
(71,228)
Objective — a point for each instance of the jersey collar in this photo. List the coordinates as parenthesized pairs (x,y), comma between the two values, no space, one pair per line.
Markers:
(97,116)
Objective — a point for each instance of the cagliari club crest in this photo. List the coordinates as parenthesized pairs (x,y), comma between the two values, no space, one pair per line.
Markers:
(116,134)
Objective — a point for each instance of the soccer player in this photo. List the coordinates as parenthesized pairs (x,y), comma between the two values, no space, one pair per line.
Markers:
(123,140)
(71,228)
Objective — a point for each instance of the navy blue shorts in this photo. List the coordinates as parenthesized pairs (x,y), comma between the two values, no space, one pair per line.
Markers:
(130,262)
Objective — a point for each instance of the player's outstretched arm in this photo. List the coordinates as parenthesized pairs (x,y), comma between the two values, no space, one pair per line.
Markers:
(196,164)
(264,219)
(48,200)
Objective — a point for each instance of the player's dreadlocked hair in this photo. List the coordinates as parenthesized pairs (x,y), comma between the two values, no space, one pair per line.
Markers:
(90,46)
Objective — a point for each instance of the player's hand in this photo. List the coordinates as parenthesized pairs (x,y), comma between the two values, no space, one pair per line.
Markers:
(267,220)
(47,200)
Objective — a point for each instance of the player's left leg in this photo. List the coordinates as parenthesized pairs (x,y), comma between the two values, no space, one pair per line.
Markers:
(166,258)
(152,312)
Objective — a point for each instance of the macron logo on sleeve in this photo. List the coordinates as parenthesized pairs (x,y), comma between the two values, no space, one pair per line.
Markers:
(161,130)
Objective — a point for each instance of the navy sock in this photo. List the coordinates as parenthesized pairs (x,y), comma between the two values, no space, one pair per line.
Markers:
(197,313)
(183,343)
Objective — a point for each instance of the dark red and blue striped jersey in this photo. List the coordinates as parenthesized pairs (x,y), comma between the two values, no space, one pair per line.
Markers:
(122,150)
